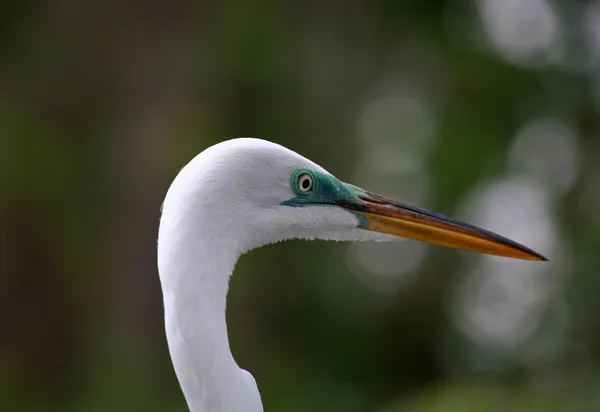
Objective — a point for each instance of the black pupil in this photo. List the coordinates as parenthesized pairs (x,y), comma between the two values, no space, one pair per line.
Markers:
(305,183)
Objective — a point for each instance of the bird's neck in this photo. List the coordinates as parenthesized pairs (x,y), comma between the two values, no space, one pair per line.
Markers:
(195,272)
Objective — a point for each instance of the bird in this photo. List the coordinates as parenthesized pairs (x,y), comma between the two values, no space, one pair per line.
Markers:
(244,193)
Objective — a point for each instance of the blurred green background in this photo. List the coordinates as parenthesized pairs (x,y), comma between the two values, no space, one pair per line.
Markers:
(486,110)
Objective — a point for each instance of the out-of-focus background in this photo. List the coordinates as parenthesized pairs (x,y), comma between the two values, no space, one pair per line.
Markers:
(486,110)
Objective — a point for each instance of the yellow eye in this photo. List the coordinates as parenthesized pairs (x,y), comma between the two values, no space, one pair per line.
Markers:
(305,182)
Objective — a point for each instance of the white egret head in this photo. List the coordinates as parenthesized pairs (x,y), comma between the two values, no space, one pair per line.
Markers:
(242,194)
(260,193)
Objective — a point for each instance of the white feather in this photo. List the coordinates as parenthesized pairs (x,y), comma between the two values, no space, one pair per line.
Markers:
(225,202)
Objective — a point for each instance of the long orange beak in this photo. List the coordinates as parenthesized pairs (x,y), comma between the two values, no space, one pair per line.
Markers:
(385,215)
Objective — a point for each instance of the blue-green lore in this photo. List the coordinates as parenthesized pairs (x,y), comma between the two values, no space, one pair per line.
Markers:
(326,190)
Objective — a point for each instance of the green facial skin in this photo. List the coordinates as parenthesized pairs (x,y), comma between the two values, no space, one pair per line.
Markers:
(326,191)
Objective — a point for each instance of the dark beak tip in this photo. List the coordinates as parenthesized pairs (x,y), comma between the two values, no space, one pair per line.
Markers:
(538,257)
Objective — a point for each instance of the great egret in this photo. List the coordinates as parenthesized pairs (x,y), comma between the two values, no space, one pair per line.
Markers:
(244,193)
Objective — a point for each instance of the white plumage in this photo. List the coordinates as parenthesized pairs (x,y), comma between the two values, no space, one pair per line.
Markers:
(225,202)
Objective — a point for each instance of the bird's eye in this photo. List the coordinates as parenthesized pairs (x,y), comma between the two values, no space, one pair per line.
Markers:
(305,182)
